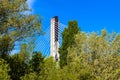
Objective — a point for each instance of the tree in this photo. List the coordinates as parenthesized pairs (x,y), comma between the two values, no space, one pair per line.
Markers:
(18,67)
(36,62)
(20,63)
(6,45)
(50,70)
(4,70)
(24,53)
(15,22)
(95,57)
(68,40)
(15,25)
(30,76)
(78,64)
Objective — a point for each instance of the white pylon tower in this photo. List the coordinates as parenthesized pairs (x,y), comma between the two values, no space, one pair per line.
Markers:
(54,38)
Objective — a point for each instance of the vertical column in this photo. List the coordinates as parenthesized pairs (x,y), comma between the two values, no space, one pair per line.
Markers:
(54,36)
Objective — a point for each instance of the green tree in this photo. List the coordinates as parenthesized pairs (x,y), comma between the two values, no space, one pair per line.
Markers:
(50,70)
(20,63)
(15,25)
(6,45)
(78,63)
(67,40)
(24,53)
(18,67)
(4,70)
(36,63)
(15,22)
(96,57)
(30,76)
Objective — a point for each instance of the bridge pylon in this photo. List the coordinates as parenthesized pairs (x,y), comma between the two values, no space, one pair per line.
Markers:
(54,38)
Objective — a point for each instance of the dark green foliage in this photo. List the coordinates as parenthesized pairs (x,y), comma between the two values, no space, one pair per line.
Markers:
(18,67)
(68,40)
(6,45)
(4,69)
(36,62)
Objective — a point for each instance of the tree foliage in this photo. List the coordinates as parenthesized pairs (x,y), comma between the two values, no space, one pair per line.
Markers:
(4,69)
(50,70)
(18,67)
(30,76)
(68,40)
(97,55)
(6,45)
(16,25)
(15,22)
(24,54)
(36,62)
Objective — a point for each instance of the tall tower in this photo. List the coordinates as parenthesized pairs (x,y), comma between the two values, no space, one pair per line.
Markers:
(54,36)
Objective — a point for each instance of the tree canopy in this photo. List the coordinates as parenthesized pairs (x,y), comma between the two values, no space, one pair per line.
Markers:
(67,40)
(16,25)
(4,70)
(14,21)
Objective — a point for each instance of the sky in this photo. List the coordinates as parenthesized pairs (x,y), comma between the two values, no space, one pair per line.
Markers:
(92,15)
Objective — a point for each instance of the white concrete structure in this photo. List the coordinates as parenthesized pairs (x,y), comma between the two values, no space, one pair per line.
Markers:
(54,38)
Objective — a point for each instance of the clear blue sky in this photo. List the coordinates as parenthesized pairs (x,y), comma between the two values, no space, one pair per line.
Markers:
(92,15)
